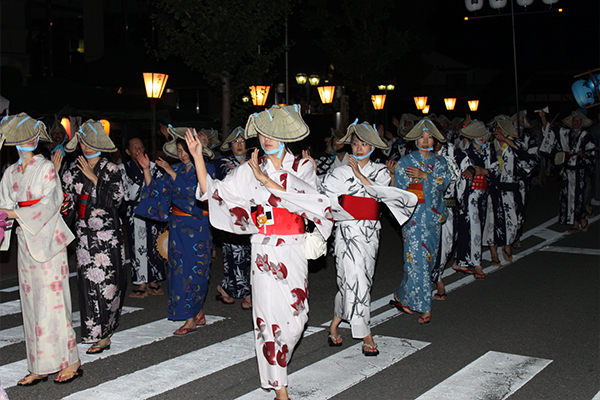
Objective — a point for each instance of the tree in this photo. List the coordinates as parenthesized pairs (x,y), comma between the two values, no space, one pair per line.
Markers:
(226,41)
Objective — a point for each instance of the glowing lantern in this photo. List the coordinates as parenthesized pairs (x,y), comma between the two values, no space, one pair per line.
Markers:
(378,101)
(420,102)
(426,109)
(105,125)
(155,84)
(326,93)
(524,3)
(450,103)
(583,93)
(314,80)
(301,79)
(473,105)
(497,4)
(381,87)
(66,123)
(259,95)
(474,5)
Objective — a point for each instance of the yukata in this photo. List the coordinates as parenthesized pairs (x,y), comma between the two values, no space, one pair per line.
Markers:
(279,268)
(357,229)
(533,159)
(100,252)
(573,172)
(505,208)
(473,206)
(454,159)
(42,237)
(236,248)
(329,162)
(421,234)
(190,241)
(398,149)
(146,265)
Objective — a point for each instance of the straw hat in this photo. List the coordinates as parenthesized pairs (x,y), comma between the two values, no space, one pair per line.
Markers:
(93,135)
(505,124)
(170,148)
(234,134)
(365,132)
(425,125)
(21,128)
(335,133)
(522,114)
(284,124)
(406,117)
(213,135)
(585,121)
(475,129)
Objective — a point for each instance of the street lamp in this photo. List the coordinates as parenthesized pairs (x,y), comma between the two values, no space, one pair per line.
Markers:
(301,78)
(420,102)
(66,123)
(378,101)
(450,103)
(314,80)
(155,84)
(326,94)
(473,104)
(259,94)
(426,109)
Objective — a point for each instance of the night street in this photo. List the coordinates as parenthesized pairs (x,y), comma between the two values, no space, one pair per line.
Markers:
(529,330)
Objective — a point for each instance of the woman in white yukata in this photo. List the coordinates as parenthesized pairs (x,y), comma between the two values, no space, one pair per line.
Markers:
(283,188)
(31,193)
(362,185)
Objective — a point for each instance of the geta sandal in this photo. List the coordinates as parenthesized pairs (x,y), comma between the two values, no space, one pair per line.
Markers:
(35,380)
(201,320)
(138,294)
(246,305)
(155,290)
(438,296)
(335,341)
(424,320)
(184,331)
(97,349)
(71,376)
(370,351)
(401,307)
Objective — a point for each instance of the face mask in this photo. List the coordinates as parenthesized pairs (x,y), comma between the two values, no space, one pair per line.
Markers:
(278,150)
(425,149)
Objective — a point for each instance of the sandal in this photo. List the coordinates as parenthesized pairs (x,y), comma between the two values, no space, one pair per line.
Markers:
(465,271)
(424,320)
(335,341)
(370,351)
(574,229)
(401,307)
(584,228)
(507,256)
(97,349)
(184,331)
(201,320)
(223,296)
(246,305)
(496,263)
(517,244)
(139,294)
(439,296)
(155,290)
(71,376)
(35,380)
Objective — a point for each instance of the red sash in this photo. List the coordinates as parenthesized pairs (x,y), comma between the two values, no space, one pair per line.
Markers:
(479,182)
(361,208)
(180,213)
(277,221)
(82,200)
(417,188)
(27,203)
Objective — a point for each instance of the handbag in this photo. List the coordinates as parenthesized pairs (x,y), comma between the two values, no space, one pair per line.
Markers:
(315,245)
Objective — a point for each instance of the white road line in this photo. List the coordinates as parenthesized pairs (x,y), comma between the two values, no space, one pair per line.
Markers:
(15,288)
(344,369)
(493,376)
(545,233)
(10,307)
(16,335)
(597,396)
(122,341)
(178,371)
(572,250)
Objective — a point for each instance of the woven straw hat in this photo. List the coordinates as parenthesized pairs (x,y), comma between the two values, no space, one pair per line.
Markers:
(213,135)
(425,125)
(475,129)
(365,132)
(234,134)
(335,133)
(93,135)
(505,124)
(406,117)
(522,114)
(21,128)
(284,124)
(170,148)
(585,121)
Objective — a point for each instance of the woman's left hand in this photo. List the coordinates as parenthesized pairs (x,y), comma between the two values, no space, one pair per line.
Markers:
(353,163)
(85,167)
(306,154)
(414,172)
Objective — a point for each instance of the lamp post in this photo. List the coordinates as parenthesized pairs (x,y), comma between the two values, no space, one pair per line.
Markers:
(155,85)
(259,94)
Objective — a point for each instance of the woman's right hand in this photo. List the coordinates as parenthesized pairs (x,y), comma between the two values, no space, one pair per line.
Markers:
(166,166)
(57,160)
(306,154)
(258,173)
(194,145)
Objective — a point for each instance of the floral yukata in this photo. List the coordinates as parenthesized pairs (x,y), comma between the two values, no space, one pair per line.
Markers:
(190,241)
(421,234)
(42,237)
(574,171)
(357,240)
(100,253)
(146,265)
(279,269)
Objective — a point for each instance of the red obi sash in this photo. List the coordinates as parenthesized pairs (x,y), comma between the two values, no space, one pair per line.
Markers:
(82,200)
(27,203)
(180,213)
(479,182)
(361,208)
(417,188)
(277,221)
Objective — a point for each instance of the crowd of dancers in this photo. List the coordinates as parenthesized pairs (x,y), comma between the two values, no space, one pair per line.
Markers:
(453,187)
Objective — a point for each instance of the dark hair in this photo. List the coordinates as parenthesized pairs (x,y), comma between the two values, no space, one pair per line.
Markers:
(183,144)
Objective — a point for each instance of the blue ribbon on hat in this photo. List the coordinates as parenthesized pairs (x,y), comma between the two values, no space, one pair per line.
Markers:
(22,149)
(278,150)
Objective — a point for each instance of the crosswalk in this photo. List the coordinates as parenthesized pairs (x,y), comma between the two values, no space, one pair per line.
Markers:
(490,375)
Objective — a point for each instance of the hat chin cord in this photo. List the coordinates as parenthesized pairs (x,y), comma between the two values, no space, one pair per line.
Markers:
(366,155)
(425,148)
(278,150)
(91,156)
(22,150)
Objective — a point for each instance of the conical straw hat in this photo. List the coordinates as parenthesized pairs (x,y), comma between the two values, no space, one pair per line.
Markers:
(21,128)
(283,124)
(504,122)
(234,134)
(522,113)
(93,135)
(585,121)
(425,125)
(475,129)
(365,132)
(406,117)
(170,148)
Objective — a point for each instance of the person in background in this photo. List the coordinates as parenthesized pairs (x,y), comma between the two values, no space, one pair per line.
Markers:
(31,195)
(337,154)
(147,268)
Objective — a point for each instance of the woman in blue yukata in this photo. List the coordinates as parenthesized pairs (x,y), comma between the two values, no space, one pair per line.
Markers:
(427,175)
(172,198)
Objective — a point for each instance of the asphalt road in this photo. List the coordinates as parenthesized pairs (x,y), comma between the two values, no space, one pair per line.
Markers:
(540,312)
